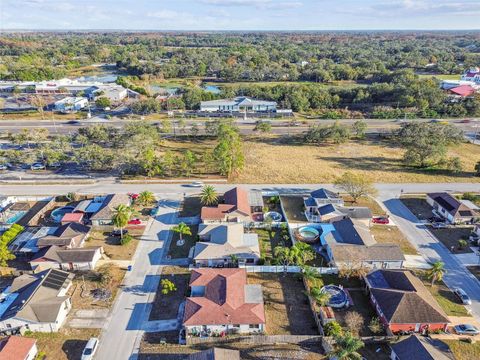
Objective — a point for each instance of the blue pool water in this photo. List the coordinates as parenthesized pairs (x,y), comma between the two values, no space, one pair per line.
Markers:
(57,214)
(338,297)
(212,88)
(17,215)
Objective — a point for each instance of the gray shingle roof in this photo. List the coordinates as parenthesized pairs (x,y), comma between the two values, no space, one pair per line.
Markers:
(421,348)
(108,206)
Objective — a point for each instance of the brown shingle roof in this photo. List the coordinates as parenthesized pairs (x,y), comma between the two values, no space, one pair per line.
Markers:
(216,354)
(421,348)
(404,299)
(223,301)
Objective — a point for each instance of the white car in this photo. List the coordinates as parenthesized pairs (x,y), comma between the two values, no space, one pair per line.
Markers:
(90,349)
(462,295)
(37,166)
(196,184)
(3,167)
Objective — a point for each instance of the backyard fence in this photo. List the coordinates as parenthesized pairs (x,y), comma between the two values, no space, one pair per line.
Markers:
(288,269)
(257,339)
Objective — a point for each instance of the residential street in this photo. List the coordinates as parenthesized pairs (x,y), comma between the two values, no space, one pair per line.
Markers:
(120,340)
(433,250)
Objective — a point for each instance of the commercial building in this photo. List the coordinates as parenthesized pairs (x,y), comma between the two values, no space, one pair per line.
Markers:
(238,104)
(71,104)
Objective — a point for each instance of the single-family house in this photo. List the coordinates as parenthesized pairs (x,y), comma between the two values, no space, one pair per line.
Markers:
(18,348)
(55,257)
(420,348)
(106,209)
(36,302)
(473,75)
(69,104)
(69,236)
(403,303)
(350,244)
(216,354)
(462,91)
(72,218)
(219,242)
(238,104)
(236,208)
(222,302)
(450,208)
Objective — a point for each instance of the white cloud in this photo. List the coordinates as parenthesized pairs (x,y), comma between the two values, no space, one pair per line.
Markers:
(262,4)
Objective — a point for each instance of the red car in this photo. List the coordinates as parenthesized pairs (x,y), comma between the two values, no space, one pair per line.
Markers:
(135,222)
(133,196)
(381,220)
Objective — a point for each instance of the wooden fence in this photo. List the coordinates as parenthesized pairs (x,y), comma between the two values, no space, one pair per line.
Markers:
(288,269)
(257,339)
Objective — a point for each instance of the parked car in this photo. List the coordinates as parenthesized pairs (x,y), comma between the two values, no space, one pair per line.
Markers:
(466,329)
(37,166)
(3,167)
(462,295)
(196,184)
(439,225)
(135,222)
(133,196)
(381,220)
(154,211)
(90,349)
(117,233)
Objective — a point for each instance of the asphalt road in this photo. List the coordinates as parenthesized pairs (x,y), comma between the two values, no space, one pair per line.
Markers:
(279,126)
(433,250)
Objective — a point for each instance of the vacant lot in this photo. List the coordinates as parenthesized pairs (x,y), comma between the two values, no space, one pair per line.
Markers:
(91,281)
(418,206)
(178,252)
(67,344)
(450,237)
(294,208)
(369,202)
(444,296)
(391,234)
(111,245)
(166,306)
(309,164)
(286,305)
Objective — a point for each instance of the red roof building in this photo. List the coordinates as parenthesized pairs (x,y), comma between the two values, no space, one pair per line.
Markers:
(236,208)
(18,348)
(221,302)
(462,90)
(72,217)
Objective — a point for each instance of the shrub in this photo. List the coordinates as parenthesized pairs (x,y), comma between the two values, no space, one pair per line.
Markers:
(167,286)
(332,328)
(261,261)
(126,239)
(375,326)
(354,321)
(462,243)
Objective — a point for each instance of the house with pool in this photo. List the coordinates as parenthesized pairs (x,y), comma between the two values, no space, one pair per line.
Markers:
(222,302)
(348,243)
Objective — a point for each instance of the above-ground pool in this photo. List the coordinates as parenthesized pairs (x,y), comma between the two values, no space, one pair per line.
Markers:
(57,214)
(275,216)
(307,234)
(338,296)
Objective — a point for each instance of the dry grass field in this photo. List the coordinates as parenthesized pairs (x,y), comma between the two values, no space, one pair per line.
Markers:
(270,161)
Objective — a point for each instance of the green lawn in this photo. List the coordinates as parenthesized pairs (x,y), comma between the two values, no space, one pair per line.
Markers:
(463,350)
(391,234)
(180,252)
(441,76)
(191,206)
(269,240)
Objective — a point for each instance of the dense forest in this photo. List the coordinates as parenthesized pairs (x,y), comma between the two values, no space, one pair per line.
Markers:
(383,69)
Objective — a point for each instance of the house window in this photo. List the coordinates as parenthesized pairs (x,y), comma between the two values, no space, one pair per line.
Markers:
(9,326)
(254,326)
(236,325)
(250,261)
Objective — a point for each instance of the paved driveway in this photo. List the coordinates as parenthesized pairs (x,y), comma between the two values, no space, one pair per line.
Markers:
(121,338)
(433,250)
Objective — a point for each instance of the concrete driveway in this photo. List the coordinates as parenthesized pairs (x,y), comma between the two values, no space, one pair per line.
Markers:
(88,319)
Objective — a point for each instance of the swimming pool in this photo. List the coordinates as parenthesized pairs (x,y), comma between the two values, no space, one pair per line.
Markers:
(338,296)
(16,215)
(57,214)
(307,234)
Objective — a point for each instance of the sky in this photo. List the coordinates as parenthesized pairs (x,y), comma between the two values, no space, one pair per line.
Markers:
(240,14)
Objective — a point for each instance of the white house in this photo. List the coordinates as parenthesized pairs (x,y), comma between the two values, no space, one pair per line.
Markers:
(473,74)
(238,104)
(70,104)
(37,302)
(451,209)
(55,257)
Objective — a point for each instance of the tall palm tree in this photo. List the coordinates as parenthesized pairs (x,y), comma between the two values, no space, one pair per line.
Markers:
(346,347)
(146,197)
(209,196)
(121,216)
(321,297)
(303,253)
(182,229)
(436,272)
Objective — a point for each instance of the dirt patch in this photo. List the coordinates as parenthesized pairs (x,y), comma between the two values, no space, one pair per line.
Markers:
(294,208)
(450,237)
(165,307)
(191,206)
(391,234)
(286,305)
(418,207)
(369,202)
(111,245)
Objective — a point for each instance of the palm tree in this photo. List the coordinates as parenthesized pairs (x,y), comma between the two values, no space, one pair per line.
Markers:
(346,347)
(321,297)
(182,229)
(234,259)
(436,272)
(302,253)
(209,196)
(121,217)
(146,197)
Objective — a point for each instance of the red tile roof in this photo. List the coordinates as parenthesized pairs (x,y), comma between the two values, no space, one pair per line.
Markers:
(463,90)
(223,301)
(15,347)
(72,217)
(236,199)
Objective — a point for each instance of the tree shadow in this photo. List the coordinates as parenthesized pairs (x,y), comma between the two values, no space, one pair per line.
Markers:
(73,348)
